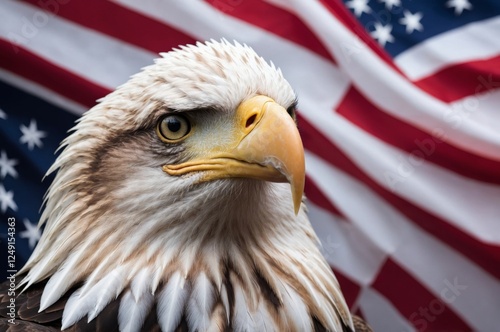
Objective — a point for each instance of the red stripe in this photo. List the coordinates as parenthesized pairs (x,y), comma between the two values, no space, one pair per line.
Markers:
(349,288)
(462,80)
(274,20)
(316,195)
(424,310)
(485,255)
(39,70)
(358,110)
(119,22)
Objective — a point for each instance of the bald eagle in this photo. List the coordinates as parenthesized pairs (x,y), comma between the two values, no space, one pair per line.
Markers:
(178,206)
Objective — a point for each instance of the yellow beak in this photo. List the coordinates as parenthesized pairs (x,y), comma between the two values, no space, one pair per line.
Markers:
(265,145)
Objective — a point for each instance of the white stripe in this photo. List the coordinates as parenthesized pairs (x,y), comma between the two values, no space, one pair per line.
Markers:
(98,58)
(381,314)
(389,90)
(474,41)
(308,73)
(379,226)
(481,108)
(345,247)
(433,263)
(42,92)
(459,200)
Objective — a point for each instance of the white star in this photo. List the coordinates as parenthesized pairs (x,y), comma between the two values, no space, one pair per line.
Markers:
(7,166)
(412,21)
(329,247)
(32,135)
(390,3)
(359,6)
(459,5)
(32,233)
(6,200)
(3,115)
(382,33)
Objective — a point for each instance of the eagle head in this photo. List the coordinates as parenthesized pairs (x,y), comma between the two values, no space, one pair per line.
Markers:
(179,197)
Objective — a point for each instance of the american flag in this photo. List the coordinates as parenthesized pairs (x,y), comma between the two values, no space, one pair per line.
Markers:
(398,110)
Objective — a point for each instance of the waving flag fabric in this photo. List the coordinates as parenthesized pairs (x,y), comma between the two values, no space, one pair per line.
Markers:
(398,112)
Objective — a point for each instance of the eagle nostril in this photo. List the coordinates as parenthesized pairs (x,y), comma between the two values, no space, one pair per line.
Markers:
(251,120)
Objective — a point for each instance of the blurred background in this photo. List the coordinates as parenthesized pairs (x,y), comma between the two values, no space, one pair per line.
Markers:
(398,111)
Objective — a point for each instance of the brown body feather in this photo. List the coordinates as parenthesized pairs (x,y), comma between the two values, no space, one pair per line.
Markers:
(28,319)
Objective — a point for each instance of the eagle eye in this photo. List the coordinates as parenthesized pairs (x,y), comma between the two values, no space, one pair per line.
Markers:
(173,127)
(291,111)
